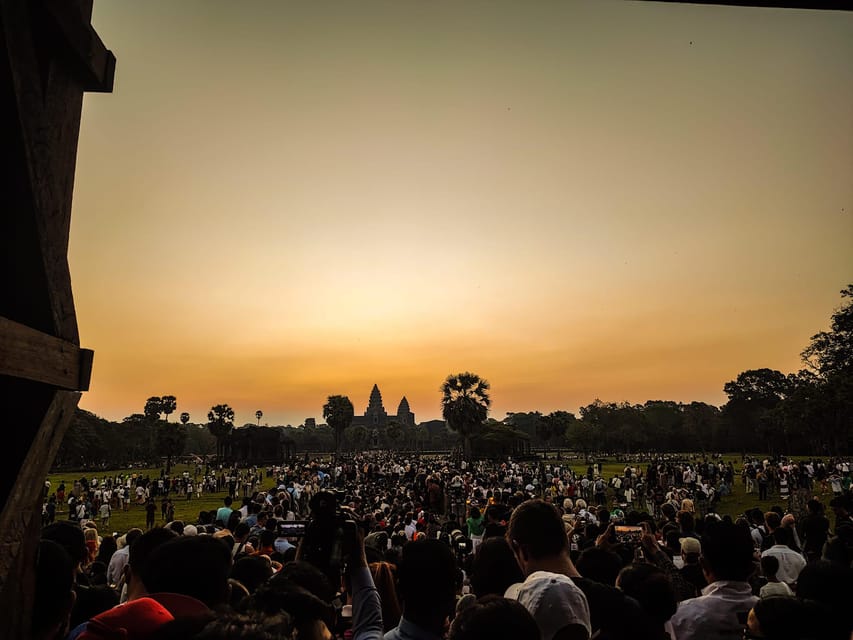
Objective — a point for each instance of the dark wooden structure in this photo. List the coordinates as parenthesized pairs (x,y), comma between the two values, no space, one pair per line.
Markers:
(49,55)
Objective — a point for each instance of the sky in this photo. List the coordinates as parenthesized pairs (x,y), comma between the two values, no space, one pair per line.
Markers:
(284,201)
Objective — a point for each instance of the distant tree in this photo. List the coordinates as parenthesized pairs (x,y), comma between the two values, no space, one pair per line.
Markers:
(553,426)
(357,435)
(220,421)
(168,404)
(751,395)
(338,413)
(153,408)
(830,353)
(185,417)
(169,441)
(259,414)
(465,405)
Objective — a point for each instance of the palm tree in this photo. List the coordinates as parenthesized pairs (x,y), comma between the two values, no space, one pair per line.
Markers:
(465,405)
(153,407)
(259,414)
(185,417)
(220,420)
(168,404)
(338,413)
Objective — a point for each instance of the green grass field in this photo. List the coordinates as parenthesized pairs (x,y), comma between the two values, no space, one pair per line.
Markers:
(188,510)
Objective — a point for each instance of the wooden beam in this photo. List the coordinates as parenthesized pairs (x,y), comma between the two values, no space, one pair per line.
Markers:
(95,65)
(32,355)
(20,519)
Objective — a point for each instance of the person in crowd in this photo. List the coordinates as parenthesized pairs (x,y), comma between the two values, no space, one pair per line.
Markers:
(494,568)
(691,551)
(773,587)
(426,577)
(815,530)
(651,587)
(719,612)
(495,618)
(54,592)
(538,539)
(115,570)
(790,562)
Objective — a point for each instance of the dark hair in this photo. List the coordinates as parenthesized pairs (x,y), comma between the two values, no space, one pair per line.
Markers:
(781,617)
(426,578)
(252,572)
(782,535)
(230,625)
(307,576)
(494,568)
(281,594)
(537,525)
(769,566)
(107,549)
(144,545)
(228,501)
(651,587)
(242,529)
(495,618)
(772,520)
(197,566)
(600,565)
(727,549)
(70,537)
(54,582)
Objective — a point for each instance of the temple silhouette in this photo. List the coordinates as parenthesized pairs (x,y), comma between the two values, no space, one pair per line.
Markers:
(375,415)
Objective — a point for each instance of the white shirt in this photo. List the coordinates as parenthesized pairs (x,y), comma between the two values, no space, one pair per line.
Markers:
(790,562)
(715,614)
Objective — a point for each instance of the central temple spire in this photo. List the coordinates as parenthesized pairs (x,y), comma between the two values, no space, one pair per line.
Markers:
(375,404)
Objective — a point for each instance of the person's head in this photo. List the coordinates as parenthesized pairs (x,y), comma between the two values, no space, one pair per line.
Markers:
(70,537)
(686,521)
(494,568)
(267,539)
(783,535)
(310,616)
(536,532)
(228,501)
(691,550)
(309,577)
(385,579)
(107,549)
(726,552)
(778,618)
(241,531)
(772,521)
(651,587)
(475,513)
(252,571)
(197,567)
(668,511)
(54,595)
(427,576)
(769,566)
(600,565)
(495,618)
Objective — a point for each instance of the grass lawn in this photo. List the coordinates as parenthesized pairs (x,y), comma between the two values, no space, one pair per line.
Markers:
(121,521)
(188,510)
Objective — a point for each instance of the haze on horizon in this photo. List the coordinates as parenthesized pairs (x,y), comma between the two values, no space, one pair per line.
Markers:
(575,200)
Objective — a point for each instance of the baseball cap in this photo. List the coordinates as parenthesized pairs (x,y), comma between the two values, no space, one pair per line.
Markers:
(554,601)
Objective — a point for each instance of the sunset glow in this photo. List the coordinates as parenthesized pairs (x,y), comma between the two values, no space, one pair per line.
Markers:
(617,200)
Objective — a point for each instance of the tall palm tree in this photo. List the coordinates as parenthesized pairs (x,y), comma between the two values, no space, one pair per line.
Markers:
(168,404)
(259,414)
(220,420)
(465,405)
(185,417)
(338,412)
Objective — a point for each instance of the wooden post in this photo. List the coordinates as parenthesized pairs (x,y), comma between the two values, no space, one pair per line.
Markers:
(49,55)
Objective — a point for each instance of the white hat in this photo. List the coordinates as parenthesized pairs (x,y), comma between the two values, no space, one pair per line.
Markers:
(190,530)
(554,601)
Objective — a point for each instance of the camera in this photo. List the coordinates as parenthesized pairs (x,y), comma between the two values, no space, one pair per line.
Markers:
(460,543)
(330,535)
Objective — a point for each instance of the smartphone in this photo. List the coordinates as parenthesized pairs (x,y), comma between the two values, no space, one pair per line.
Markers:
(292,528)
(628,534)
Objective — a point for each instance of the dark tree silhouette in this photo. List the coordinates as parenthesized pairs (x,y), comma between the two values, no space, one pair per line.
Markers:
(259,414)
(465,405)
(338,413)
(153,407)
(168,404)
(185,417)
(220,421)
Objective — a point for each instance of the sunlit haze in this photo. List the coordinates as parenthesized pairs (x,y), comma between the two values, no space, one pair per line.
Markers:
(575,200)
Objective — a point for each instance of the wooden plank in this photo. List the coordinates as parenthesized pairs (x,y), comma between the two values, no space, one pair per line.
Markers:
(33,355)
(20,519)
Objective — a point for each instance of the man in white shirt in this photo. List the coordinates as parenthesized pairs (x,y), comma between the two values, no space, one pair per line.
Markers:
(721,611)
(790,561)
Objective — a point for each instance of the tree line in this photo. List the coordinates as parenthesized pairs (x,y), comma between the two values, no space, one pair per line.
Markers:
(806,412)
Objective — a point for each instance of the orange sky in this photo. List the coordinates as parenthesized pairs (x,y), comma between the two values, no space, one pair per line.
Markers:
(630,201)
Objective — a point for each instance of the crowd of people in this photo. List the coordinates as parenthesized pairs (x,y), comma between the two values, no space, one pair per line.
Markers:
(369,545)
